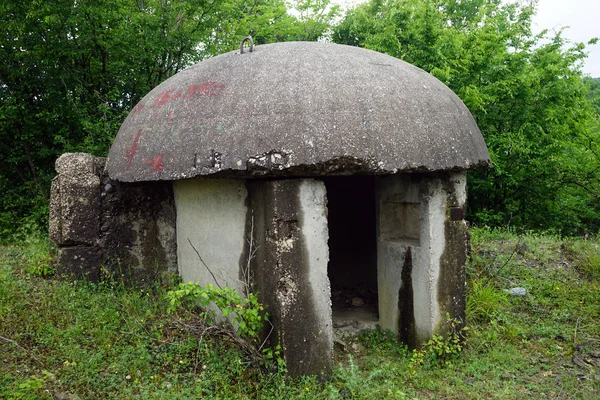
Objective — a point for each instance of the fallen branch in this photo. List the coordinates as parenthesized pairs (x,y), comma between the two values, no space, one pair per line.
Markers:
(17,345)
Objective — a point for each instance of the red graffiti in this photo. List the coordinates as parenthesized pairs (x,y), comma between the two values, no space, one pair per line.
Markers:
(157,164)
(210,89)
(171,116)
(163,98)
(157,113)
(138,108)
(130,153)
(205,89)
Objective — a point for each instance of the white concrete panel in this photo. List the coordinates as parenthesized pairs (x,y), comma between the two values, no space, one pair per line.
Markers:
(314,230)
(390,259)
(211,214)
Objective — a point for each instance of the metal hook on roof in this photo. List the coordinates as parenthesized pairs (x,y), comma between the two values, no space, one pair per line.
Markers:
(244,40)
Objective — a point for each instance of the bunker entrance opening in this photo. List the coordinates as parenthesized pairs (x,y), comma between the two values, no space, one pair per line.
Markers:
(352,267)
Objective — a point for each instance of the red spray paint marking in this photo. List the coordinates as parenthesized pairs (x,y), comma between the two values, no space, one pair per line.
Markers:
(211,89)
(138,108)
(158,112)
(163,98)
(130,153)
(205,89)
(157,164)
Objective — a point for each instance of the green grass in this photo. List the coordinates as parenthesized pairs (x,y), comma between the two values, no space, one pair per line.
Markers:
(89,341)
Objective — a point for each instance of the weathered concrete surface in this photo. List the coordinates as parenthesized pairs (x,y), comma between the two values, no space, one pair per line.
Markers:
(452,283)
(421,272)
(75,201)
(426,261)
(296,108)
(104,228)
(290,270)
(396,227)
(138,230)
(212,215)
(79,262)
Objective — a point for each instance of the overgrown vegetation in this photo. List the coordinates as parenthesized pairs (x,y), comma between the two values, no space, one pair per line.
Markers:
(81,340)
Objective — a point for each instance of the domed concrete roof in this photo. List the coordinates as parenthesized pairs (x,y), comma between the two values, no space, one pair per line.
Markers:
(296,108)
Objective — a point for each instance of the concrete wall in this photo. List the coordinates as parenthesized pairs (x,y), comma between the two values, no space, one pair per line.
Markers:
(107,229)
(422,248)
(211,225)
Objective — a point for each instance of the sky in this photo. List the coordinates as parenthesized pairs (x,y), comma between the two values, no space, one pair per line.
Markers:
(582,17)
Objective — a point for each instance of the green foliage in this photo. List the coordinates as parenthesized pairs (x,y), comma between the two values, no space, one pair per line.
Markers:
(379,338)
(358,385)
(31,388)
(38,256)
(71,71)
(587,256)
(107,341)
(245,313)
(525,91)
(440,350)
(484,300)
(275,355)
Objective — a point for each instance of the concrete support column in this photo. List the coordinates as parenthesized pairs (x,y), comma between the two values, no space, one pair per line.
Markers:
(425,277)
(289,270)
(452,287)
(421,254)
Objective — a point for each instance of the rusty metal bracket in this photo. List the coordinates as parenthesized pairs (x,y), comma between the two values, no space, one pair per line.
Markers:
(244,40)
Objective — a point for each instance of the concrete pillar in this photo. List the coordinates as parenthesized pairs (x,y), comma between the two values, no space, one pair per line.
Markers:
(75,211)
(452,285)
(289,270)
(211,231)
(421,255)
(75,201)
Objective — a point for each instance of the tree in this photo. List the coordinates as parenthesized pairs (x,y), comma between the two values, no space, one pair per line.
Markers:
(525,91)
(72,70)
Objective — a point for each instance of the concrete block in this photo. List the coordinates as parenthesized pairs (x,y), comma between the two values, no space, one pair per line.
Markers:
(138,230)
(79,262)
(421,254)
(75,205)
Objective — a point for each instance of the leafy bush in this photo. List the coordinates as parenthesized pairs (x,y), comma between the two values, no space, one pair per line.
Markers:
(246,314)
(440,350)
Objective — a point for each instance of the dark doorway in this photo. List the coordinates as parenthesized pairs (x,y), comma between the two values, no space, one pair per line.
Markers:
(352,267)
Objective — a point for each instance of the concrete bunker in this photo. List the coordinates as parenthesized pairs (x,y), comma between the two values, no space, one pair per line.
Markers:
(301,171)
